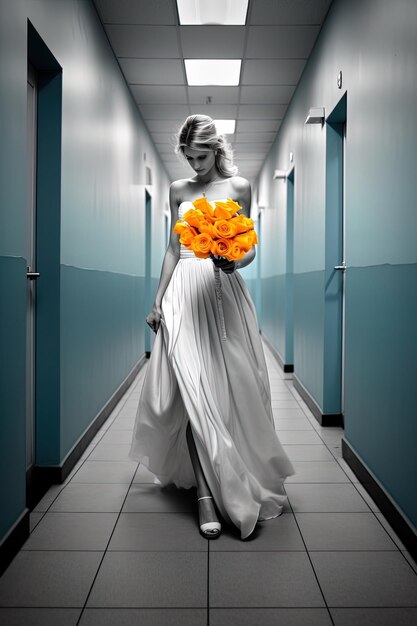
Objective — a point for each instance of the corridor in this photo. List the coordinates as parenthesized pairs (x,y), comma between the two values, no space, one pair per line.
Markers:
(108,548)
(116,116)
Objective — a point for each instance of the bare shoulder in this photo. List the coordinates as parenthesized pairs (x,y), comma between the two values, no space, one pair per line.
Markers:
(178,189)
(243,192)
(240,184)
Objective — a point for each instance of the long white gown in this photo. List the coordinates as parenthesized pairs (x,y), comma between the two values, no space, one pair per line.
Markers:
(221,386)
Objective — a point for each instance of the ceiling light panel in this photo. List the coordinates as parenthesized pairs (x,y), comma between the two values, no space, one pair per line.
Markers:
(212,71)
(225,127)
(231,12)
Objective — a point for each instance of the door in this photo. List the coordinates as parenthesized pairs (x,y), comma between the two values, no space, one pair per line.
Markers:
(148,268)
(335,267)
(289,287)
(31,266)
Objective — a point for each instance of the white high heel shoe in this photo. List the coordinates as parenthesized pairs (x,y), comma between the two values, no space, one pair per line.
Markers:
(210,530)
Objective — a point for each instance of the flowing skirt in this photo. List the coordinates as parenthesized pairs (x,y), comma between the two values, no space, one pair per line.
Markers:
(221,386)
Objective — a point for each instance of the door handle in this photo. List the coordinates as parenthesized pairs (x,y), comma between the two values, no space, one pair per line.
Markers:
(32,275)
(341,267)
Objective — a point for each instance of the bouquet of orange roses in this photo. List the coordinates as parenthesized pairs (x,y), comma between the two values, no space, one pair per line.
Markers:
(217,230)
(220,231)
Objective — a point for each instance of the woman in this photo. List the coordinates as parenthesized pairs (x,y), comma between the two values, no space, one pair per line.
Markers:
(204,417)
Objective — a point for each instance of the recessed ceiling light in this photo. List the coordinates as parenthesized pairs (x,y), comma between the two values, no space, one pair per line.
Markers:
(212,71)
(225,127)
(221,12)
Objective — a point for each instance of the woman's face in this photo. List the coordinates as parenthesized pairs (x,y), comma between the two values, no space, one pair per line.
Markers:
(202,161)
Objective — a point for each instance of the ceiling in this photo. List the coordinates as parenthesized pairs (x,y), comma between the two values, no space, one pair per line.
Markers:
(274,46)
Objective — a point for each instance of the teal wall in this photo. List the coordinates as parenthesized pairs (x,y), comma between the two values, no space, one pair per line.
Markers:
(374,43)
(98,329)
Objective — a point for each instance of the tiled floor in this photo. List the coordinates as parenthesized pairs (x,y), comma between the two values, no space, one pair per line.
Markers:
(109,547)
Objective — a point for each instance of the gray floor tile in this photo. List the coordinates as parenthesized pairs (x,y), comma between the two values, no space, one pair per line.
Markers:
(282,395)
(151,579)
(284,404)
(39,617)
(308,452)
(106,472)
(318,472)
(279,533)
(365,495)
(34,519)
(343,531)
(98,497)
(270,617)
(345,467)
(410,560)
(329,434)
(299,437)
(146,498)
(262,579)
(374,617)
(292,424)
(110,452)
(72,531)
(360,579)
(117,436)
(158,532)
(123,424)
(49,578)
(325,497)
(390,531)
(290,414)
(144,617)
(46,501)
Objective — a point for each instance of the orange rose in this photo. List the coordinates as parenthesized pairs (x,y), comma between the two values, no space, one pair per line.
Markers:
(207,227)
(221,211)
(187,235)
(224,228)
(236,252)
(179,227)
(245,240)
(240,222)
(204,206)
(222,247)
(231,207)
(234,207)
(193,217)
(201,245)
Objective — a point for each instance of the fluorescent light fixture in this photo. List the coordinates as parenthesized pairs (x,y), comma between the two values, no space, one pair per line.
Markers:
(225,127)
(282,174)
(212,71)
(315,116)
(218,12)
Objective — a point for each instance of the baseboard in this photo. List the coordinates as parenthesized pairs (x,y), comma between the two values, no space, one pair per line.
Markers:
(40,479)
(14,540)
(288,368)
(394,516)
(324,419)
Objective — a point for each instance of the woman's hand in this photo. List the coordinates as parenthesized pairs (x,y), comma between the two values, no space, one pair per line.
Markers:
(154,318)
(224,264)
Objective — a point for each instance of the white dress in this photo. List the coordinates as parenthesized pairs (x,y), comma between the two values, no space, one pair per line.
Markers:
(221,385)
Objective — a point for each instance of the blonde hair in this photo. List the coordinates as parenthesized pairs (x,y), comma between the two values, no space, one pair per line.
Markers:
(200,133)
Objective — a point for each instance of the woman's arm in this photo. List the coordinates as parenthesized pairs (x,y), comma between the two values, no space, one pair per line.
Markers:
(248,258)
(245,200)
(172,253)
